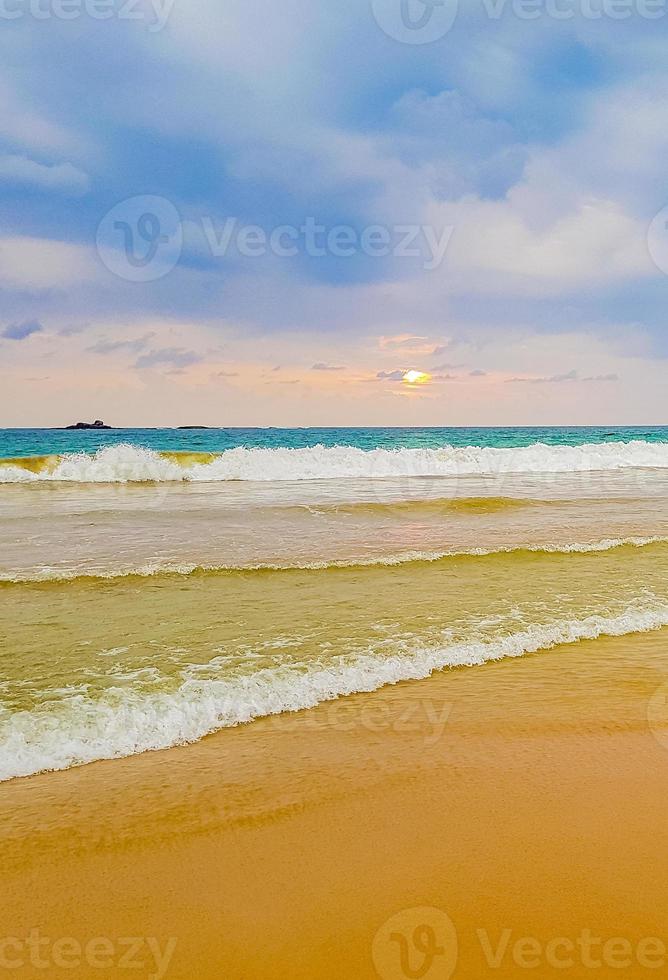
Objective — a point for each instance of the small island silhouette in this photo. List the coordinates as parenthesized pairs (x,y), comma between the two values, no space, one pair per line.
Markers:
(97,424)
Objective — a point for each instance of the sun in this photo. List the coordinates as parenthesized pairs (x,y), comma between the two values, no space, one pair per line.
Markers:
(416,377)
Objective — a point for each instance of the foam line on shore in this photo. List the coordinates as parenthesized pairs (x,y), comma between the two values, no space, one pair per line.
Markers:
(76,730)
(49,574)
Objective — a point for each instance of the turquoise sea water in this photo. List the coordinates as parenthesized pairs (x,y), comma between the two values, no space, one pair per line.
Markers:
(39,442)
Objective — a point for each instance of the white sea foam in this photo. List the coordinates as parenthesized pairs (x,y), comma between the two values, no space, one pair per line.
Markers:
(148,570)
(127,463)
(78,730)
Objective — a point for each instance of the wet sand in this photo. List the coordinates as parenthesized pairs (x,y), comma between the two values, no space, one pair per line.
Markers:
(524,800)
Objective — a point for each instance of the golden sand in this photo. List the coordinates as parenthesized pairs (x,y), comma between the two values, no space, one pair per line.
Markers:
(515,810)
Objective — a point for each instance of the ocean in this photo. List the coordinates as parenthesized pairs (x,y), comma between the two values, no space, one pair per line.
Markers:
(160,584)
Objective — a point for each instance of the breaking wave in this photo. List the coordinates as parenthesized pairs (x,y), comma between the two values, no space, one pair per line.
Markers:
(128,463)
(77,729)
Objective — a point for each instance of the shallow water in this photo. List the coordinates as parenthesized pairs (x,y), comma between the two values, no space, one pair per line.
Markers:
(175,595)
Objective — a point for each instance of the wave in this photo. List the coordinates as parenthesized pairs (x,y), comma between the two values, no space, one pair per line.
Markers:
(433,505)
(151,569)
(128,463)
(79,730)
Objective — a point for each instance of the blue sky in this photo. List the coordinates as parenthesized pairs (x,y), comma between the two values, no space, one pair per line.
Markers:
(487,205)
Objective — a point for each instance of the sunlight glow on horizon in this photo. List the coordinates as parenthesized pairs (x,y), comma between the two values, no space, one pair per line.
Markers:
(416,377)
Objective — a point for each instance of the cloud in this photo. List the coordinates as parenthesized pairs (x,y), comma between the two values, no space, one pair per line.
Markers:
(554,379)
(39,263)
(477,373)
(516,246)
(62,177)
(19,331)
(548,163)
(466,148)
(25,128)
(111,346)
(405,342)
(320,366)
(569,376)
(175,357)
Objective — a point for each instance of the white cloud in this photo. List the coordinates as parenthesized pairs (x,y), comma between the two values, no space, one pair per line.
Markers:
(40,263)
(58,176)
(27,129)
(495,248)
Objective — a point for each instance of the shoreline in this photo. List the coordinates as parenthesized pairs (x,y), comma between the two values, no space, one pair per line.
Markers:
(526,795)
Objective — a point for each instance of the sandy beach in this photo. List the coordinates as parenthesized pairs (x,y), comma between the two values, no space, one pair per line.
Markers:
(524,801)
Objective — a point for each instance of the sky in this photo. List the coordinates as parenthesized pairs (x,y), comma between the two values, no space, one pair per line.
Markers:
(371,212)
